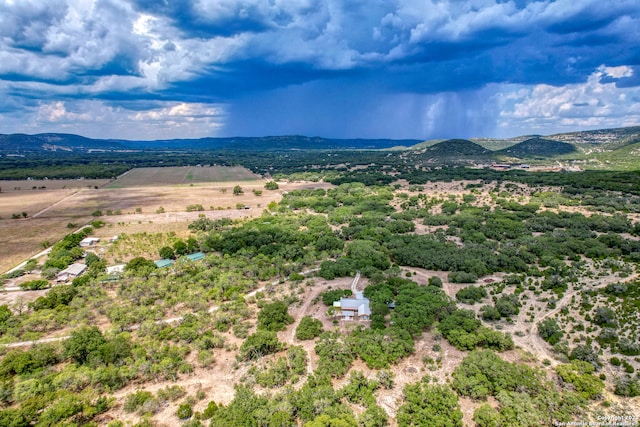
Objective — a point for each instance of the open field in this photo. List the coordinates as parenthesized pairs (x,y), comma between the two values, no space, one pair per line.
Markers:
(128,209)
(34,185)
(185,175)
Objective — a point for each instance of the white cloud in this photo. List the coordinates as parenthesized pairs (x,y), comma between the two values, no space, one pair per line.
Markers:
(97,119)
(550,109)
(617,72)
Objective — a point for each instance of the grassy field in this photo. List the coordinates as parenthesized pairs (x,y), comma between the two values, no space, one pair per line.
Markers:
(142,200)
(129,204)
(185,175)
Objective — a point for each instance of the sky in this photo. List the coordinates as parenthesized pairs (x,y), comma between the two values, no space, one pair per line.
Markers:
(420,69)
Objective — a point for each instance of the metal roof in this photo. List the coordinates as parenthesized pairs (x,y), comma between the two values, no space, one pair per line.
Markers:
(161,263)
(74,269)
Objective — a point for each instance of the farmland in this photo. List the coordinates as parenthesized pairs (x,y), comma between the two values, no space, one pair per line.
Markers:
(137,197)
(181,176)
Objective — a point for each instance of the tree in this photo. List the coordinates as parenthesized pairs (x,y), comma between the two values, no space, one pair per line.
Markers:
(586,354)
(550,331)
(489,312)
(260,344)
(428,405)
(329,297)
(167,253)
(605,316)
(5,314)
(579,374)
(84,344)
(325,420)
(373,416)
(487,416)
(309,328)
(237,190)
(271,185)
(508,305)
(435,281)
(34,285)
(180,248)
(274,317)
(471,294)
(140,266)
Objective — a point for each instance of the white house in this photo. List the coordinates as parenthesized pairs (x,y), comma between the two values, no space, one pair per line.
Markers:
(354,308)
(89,241)
(71,272)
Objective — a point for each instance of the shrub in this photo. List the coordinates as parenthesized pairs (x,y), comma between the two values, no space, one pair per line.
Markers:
(185,411)
(308,329)
(489,312)
(471,294)
(550,331)
(135,401)
(260,344)
(34,285)
(274,316)
(462,277)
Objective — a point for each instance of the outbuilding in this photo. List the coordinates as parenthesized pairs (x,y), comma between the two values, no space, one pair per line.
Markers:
(89,241)
(71,272)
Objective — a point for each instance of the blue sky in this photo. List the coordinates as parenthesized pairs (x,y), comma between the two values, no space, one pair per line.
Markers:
(150,69)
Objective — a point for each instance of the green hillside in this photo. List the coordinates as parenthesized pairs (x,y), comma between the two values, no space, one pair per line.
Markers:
(538,147)
(457,148)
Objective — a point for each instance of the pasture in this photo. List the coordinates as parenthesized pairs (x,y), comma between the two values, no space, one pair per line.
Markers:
(182,175)
(144,200)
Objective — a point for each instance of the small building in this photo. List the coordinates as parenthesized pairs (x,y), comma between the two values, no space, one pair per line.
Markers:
(162,263)
(89,241)
(115,270)
(195,256)
(501,166)
(353,308)
(71,272)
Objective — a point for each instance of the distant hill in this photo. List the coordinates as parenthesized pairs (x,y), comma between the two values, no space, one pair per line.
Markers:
(456,148)
(609,138)
(266,143)
(52,142)
(538,147)
(58,142)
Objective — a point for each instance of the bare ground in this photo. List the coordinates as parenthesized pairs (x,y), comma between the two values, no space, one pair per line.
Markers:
(133,210)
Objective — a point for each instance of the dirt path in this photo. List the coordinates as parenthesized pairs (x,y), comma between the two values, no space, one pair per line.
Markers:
(59,202)
(136,326)
(532,341)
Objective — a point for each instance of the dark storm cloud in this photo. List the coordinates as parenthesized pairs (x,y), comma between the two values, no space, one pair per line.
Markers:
(302,66)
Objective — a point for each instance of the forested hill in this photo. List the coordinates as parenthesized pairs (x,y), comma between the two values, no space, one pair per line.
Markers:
(457,148)
(538,147)
(18,143)
(57,142)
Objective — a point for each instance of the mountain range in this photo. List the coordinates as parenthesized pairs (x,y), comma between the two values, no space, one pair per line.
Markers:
(619,144)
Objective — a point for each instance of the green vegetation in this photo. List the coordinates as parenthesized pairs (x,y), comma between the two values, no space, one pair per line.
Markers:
(429,405)
(274,317)
(528,242)
(471,295)
(308,329)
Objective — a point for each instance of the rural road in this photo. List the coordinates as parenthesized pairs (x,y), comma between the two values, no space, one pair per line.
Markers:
(354,284)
